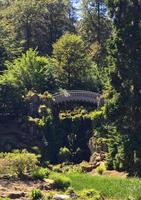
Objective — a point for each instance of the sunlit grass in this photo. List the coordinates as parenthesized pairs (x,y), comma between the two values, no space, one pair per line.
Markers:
(110,187)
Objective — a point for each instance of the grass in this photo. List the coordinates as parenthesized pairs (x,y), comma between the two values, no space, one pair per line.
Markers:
(110,187)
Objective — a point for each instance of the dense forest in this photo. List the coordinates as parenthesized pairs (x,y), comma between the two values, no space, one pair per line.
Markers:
(52,47)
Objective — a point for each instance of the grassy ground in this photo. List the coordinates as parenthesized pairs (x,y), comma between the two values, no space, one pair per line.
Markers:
(110,187)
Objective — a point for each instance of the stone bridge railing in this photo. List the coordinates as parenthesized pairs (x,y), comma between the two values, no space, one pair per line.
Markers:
(79,96)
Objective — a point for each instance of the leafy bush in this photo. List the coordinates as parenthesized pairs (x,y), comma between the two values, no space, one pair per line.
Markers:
(61,182)
(57,168)
(40,173)
(36,194)
(100,169)
(92,194)
(18,163)
(115,157)
(31,71)
(85,167)
(71,192)
(64,154)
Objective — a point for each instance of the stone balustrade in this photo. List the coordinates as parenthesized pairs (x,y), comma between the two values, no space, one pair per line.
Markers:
(78,95)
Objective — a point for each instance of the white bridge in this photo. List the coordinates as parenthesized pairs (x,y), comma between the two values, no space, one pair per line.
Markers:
(78,96)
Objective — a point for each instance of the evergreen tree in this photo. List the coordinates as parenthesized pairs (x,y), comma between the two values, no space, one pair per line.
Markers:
(123,109)
(94,27)
(34,24)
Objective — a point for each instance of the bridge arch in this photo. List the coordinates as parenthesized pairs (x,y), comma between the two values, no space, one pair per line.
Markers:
(78,96)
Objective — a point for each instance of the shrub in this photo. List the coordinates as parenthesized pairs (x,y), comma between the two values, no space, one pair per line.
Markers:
(92,194)
(31,71)
(57,168)
(64,154)
(18,163)
(85,166)
(71,192)
(100,169)
(36,194)
(40,173)
(60,181)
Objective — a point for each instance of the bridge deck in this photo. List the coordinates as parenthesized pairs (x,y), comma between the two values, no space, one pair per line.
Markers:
(77,95)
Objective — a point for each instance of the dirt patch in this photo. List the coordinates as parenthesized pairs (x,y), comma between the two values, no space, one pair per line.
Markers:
(115,173)
(18,189)
(112,173)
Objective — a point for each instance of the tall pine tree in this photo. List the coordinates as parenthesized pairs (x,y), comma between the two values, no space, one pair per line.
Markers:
(123,109)
(34,24)
(94,27)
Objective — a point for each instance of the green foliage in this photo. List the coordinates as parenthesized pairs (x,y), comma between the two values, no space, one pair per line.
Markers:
(123,92)
(94,20)
(30,72)
(37,25)
(83,167)
(95,28)
(4,198)
(36,194)
(40,173)
(100,169)
(77,62)
(70,190)
(60,181)
(55,131)
(92,194)
(34,24)
(109,187)
(57,168)
(42,119)
(73,61)
(95,114)
(117,157)
(76,113)
(18,163)
(42,113)
(64,154)
(76,130)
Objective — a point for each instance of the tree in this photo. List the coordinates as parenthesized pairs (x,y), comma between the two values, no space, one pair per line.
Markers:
(74,64)
(34,24)
(3,53)
(94,27)
(123,109)
(31,71)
